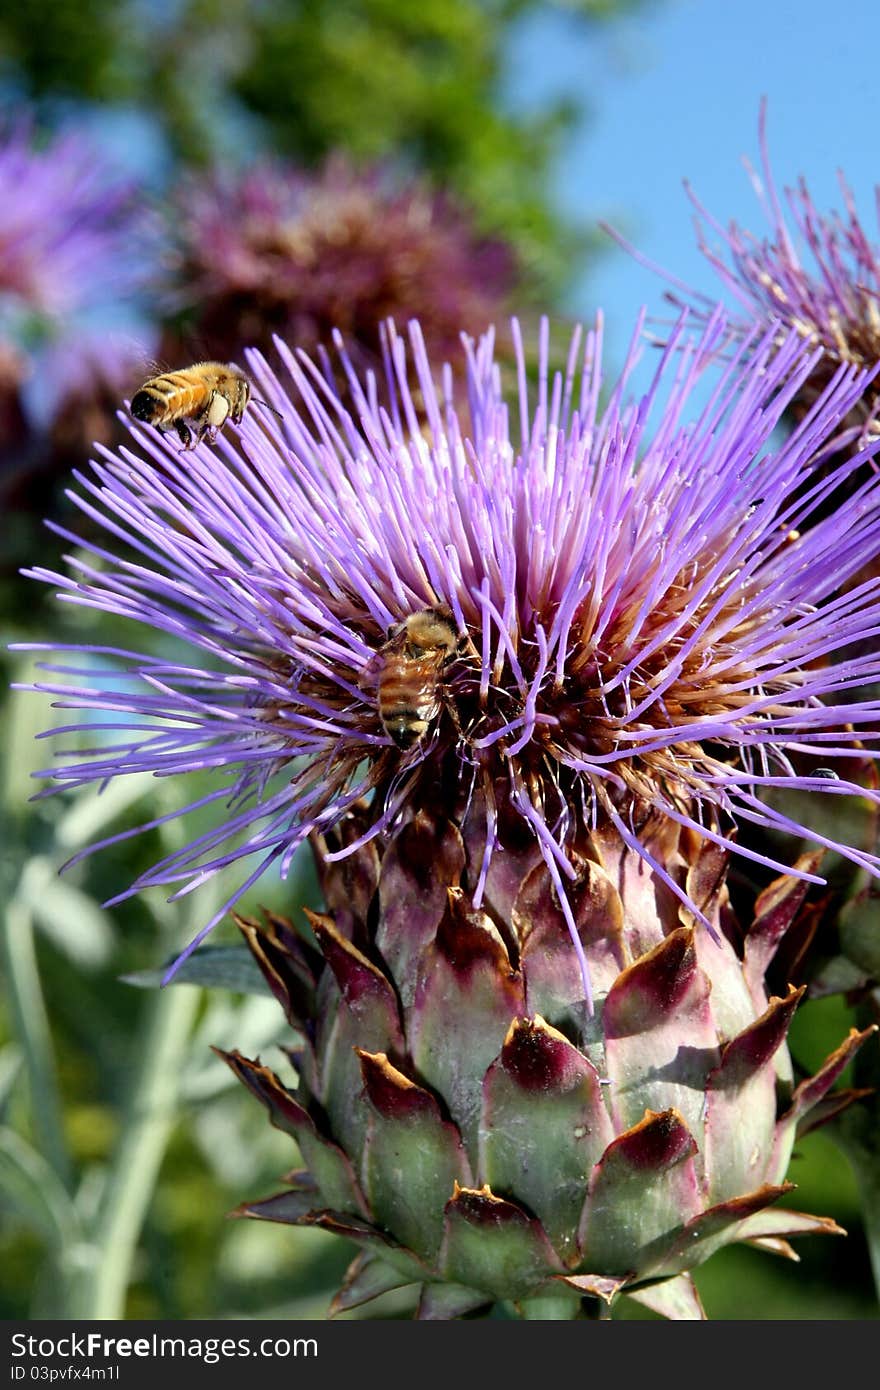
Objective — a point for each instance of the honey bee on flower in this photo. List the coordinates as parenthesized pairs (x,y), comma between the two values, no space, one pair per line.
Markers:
(196,401)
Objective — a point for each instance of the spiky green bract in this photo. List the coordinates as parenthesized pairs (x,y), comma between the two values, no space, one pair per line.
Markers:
(463,1120)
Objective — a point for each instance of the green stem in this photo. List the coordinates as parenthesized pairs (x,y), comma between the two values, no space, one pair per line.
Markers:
(31,1024)
(857,1131)
(138,1158)
(858,1134)
(869,1186)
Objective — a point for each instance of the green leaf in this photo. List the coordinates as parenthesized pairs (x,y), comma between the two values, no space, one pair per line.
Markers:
(31,1188)
(72,921)
(92,810)
(859,925)
(214,967)
(11,1062)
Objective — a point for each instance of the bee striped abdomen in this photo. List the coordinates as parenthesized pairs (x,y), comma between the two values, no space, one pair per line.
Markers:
(167,397)
(409,700)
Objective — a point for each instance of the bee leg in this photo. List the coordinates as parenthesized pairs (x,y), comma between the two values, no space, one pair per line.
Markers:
(207,431)
(206,424)
(184,433)
(214,415)
(465,646)
(452,709)
(238,404)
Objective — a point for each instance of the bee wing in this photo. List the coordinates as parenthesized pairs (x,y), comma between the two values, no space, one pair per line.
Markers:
(152,366)
(368,679)
(145,368)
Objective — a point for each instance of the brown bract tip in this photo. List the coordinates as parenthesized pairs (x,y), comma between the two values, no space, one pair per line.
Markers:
(658,1141)
(392,1093)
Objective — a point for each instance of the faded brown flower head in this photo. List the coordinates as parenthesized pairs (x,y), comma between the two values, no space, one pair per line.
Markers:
(276,250)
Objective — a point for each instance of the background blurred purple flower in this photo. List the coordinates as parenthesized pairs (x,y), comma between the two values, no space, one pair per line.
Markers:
(88,374)
(637,640)
(276,250)
(77,249)
(66,236)
(816,274)
(14,371)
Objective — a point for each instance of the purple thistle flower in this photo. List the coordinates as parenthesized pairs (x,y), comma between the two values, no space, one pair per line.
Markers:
(818,275)
(76,249)
(647,626)
(276,249)
(67,237)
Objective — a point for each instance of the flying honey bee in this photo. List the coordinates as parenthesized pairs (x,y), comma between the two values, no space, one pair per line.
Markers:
(196,401)
(411,664)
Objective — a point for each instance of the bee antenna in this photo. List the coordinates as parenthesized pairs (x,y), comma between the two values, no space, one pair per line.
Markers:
(255,400)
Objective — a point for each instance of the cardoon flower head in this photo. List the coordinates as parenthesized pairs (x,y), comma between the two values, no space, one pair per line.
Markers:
(644,626)
(816,274)
(516,668)
(275,249)
(66,229)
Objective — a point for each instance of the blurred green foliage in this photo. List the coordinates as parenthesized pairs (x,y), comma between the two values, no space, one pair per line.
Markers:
(80,1112)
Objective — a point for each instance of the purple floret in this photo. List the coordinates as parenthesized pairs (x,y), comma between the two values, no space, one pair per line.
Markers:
(815,273)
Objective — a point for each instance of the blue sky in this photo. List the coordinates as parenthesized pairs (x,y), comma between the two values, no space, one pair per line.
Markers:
(673,91)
